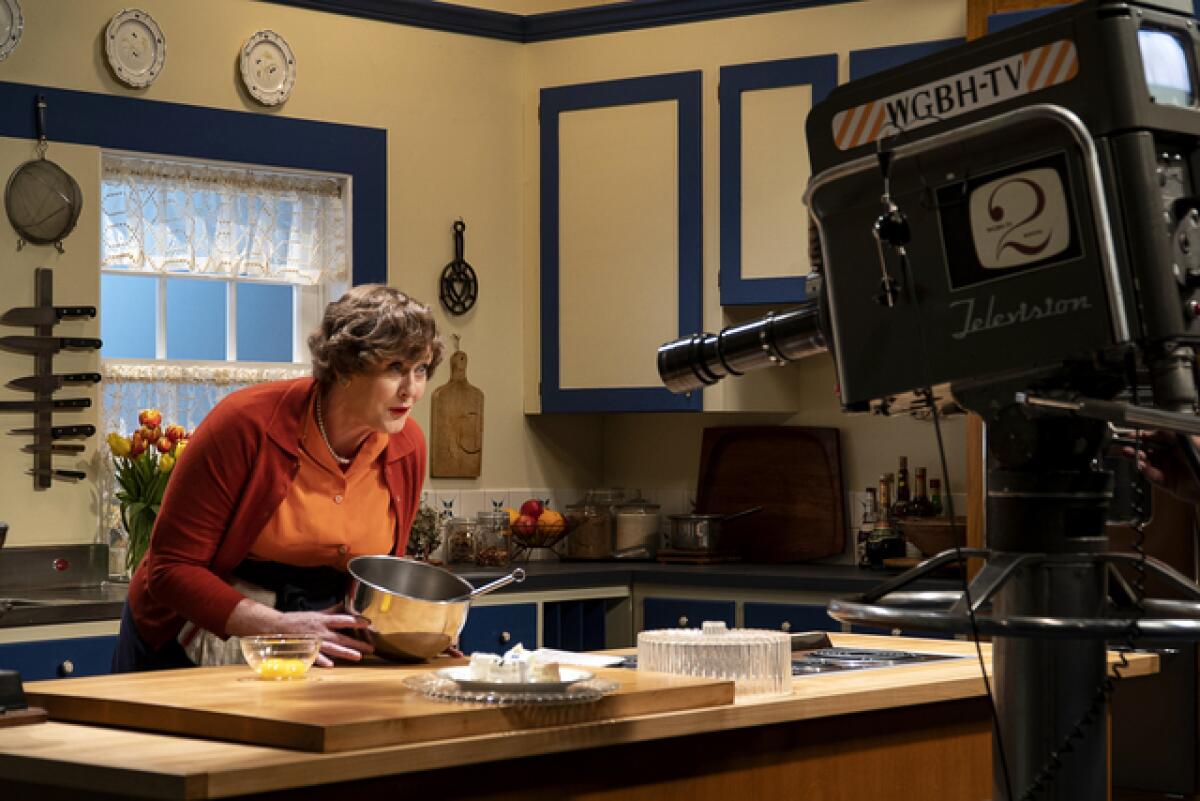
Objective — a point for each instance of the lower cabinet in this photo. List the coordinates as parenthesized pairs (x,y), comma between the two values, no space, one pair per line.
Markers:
(685,613)
(56,659)
(575,625)
(495,629)
(788,617)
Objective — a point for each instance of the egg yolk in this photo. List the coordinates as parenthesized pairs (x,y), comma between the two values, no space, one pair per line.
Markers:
(277,668)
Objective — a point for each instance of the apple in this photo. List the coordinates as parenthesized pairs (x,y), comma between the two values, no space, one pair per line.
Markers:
(533,508)
(526,525)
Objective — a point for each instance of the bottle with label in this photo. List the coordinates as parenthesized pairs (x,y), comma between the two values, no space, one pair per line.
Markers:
(935,497)
(865,529)
(900,507)
(884,499)
(920,505)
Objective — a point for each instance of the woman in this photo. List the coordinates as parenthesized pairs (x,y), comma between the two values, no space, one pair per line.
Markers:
(282,484)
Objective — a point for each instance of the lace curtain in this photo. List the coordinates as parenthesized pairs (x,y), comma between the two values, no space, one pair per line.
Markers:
(158,216)
(184,218)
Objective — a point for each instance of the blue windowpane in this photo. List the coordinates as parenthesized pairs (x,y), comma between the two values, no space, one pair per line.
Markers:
(195,319)
(128,316)
(264,323)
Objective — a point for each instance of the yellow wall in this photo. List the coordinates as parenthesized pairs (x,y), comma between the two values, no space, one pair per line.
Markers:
(663,450)
(460,113)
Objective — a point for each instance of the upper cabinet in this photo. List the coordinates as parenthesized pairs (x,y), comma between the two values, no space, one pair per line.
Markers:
(764,172)
(621,229)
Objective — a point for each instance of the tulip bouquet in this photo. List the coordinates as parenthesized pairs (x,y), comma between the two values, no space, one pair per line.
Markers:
(143,463)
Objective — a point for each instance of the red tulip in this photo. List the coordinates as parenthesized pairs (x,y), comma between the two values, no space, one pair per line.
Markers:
(176,433)
(150,418)
(164,444)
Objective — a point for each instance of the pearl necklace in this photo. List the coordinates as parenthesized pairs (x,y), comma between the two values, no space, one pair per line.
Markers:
(321,427)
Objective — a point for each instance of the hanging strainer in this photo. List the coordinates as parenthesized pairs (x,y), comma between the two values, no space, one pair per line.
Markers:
(42,201)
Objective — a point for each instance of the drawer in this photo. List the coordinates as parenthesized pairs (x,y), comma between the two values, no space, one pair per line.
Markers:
(684,613)
(495,629)
(56,659)
(788,617)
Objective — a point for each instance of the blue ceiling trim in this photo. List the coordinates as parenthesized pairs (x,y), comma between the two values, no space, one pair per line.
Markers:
(174,129)
(609,18)
(426,14)
(651,13)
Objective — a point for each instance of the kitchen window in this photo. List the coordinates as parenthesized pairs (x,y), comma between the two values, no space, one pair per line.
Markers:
(212,276)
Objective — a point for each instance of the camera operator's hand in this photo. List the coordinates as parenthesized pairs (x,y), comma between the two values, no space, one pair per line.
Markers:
(1161,460)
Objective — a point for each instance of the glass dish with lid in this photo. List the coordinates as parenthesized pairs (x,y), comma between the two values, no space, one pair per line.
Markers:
(637,524)
(592,522)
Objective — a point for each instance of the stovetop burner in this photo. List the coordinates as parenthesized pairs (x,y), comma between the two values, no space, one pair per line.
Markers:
(830,660)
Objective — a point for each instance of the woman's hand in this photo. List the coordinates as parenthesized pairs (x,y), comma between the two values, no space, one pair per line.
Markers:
(250,617)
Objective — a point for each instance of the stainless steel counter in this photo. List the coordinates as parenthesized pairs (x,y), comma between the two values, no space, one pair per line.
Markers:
(50,584)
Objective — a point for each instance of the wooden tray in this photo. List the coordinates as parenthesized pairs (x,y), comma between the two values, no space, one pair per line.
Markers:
(339,709)
(793,472)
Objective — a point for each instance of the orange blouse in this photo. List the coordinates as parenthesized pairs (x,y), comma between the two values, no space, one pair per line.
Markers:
(329,515)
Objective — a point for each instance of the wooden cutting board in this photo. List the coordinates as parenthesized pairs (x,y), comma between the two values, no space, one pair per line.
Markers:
(793,472)
(339,709)
(456,435)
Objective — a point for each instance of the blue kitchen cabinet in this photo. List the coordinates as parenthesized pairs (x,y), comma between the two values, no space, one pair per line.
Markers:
(495,629)
(684,613)
(55,659)
(788,617)
(574,625)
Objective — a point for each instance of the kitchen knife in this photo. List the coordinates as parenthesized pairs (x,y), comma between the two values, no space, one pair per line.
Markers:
(59,432)
(64,447)
(38,345)
(44,315)
(43,405)
(73,474)
(49,383)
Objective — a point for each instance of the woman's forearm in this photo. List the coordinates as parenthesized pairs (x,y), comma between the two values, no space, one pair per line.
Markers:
(251,617)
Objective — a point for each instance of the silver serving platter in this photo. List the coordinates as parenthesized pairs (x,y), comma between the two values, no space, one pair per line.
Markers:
(462,677)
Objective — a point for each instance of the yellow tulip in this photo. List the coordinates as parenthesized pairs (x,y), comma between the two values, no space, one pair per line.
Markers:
(120,446)
(179,446)
(165,463)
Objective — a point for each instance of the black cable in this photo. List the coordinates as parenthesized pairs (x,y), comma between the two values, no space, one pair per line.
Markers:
(906,270)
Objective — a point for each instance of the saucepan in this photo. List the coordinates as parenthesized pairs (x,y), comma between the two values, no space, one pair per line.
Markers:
(416,609)
(697,532)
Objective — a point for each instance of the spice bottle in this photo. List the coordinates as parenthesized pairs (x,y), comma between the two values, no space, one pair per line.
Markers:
(492,539)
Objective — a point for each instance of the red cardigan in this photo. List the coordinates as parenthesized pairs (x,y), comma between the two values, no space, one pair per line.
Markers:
(236,470)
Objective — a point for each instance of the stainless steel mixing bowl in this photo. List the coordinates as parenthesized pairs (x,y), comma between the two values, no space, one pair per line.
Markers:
(416,609)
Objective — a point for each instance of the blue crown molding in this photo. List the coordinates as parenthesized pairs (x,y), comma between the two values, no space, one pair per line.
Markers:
(609,18)
(175,129)
(685,89)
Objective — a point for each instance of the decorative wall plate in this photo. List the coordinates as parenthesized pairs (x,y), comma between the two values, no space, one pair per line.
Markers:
(268,68)
(11,25)
(135,48)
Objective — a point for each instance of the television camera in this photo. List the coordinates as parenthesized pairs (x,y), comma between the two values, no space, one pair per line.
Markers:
(1013,226)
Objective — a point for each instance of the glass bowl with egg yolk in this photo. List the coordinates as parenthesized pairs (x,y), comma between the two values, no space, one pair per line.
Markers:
(281,656)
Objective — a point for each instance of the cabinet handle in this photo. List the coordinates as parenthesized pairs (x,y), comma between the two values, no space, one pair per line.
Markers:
(505,636)
(785,625)
(683,621)
(66,668)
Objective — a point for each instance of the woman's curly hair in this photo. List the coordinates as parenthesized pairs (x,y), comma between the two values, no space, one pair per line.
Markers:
(370,325)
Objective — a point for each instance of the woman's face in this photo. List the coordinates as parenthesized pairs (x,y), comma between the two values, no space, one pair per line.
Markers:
(382,399)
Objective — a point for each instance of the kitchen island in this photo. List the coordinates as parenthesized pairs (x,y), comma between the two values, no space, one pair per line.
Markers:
(908,732)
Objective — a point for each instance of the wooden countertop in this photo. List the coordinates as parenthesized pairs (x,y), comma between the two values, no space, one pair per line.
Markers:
(140,764)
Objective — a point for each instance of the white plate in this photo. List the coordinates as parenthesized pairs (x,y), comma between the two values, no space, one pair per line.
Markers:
(11,25)
(135,48)
(462,677)
(268,68)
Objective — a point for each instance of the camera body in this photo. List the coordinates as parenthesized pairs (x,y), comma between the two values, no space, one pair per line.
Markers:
(1047,176)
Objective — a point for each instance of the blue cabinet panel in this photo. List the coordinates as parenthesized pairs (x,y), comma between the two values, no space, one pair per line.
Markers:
(797,617)
(818,72)
(684,89)
(495,629)
(574,625)
(54,659)
(677,613)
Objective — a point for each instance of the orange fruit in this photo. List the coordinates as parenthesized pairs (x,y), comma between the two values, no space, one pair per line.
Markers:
(551,521)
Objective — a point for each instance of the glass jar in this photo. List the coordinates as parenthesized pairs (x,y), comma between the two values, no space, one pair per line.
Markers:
(637,524)
(492,539)
(592,523)
(459,536)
